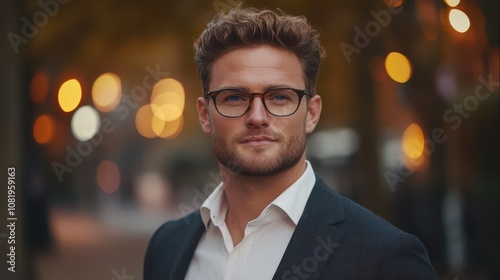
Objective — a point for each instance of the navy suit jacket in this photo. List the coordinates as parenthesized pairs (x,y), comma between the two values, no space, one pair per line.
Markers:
(335,238)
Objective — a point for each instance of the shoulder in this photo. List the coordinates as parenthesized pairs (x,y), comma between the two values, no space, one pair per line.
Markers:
(175,229)
(168,242)
(356,218)
(373,232)
(374,245)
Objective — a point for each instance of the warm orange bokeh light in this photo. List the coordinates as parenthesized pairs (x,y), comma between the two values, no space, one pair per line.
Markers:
(167,106)
(167,130)
(167,100)
(108,176)
(143,122)
(413,141)
(106,92)
(39,87)
(459,20)
(43,129)
(70,95)
(398,67)
(168,84)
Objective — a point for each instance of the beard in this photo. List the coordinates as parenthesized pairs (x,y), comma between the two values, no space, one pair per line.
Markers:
(261,163)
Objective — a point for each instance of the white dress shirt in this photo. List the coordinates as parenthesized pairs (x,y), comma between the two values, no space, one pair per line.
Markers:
(260,251)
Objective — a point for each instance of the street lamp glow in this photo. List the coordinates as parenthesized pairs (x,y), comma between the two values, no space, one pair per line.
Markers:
(459,20)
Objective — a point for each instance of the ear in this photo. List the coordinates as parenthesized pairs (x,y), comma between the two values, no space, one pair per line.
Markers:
(313,113)
(203,116)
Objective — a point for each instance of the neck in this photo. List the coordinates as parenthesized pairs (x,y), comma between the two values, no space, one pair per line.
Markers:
(247,196)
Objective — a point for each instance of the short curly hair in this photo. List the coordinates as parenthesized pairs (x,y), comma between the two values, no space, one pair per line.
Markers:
(241,27)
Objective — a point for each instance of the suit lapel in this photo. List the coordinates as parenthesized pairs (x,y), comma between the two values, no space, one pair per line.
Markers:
(187,239)
(314,238)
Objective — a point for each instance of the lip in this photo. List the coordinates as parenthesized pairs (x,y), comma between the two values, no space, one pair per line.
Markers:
(258,140)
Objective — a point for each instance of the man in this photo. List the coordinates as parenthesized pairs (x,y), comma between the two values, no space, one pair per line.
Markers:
(272,217)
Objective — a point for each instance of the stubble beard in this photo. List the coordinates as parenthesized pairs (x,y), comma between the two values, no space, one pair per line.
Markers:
(261,164)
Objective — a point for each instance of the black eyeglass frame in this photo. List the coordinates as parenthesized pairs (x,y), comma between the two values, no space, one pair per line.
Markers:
(300,93)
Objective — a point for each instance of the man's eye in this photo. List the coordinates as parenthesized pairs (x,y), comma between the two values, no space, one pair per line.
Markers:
(233,98)
(280,97)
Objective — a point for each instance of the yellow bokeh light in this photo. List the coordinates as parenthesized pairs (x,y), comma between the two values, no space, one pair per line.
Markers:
(398,67)
(172,129)
(167,130)
(43,129)
(167,100)
(70,95)
(143,120)
(167,105)
(39,87)
(459,20)
(106,92)
(168,84)
(108,176)
(452,3)
(413,141)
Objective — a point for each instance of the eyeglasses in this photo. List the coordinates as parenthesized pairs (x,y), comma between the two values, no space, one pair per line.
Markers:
(234,103)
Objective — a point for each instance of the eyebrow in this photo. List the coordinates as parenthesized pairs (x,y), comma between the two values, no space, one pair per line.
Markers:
(247,90)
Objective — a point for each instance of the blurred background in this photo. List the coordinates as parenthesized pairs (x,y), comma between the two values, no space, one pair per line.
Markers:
(98,119)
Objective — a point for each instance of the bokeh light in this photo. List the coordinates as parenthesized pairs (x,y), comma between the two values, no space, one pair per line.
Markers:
(108,176)
(167,130)
(43,129)
(106,92)
(70,95)
(153,191)
(39,87)
(413,141)
(167,100)
(143,121)
(85,123)
(459,20)
(167,106)
(398,67)
(452,3)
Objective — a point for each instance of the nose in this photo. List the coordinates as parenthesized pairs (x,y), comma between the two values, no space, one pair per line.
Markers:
(257,115)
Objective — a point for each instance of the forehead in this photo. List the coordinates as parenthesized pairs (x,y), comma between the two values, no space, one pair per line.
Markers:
(257,67)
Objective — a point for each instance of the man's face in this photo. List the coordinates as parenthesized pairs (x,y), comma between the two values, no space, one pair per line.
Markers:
(258,143)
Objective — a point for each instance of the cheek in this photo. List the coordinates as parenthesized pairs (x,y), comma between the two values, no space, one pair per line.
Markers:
(291,130)
(223,128)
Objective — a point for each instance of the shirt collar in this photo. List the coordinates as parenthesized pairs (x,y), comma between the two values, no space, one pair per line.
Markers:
(292,201)
(215,207)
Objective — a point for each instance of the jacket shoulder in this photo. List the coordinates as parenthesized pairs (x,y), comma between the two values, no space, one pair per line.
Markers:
(171,241)
(174,229)
(373,246)
(356,217)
